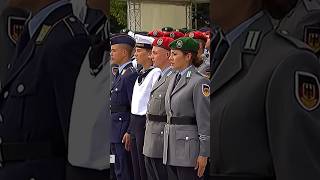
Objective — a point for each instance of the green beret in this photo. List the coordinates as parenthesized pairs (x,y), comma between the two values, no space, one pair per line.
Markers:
(185,44)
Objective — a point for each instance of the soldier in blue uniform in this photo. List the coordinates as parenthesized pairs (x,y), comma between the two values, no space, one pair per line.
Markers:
(121,94)
(36,99)
(12,20)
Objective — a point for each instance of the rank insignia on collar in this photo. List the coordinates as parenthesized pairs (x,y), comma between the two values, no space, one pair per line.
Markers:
(189,74)
(206,90)
(307,90)
(43,33)
(15,27)
(312,37)
(123,71)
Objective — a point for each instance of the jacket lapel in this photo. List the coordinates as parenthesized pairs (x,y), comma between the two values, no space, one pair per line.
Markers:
(21,61)
(231,65)
(119,76)
(161,81)
(183,81)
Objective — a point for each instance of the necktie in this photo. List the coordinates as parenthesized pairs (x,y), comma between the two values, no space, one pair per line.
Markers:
(220,48)
(177,80)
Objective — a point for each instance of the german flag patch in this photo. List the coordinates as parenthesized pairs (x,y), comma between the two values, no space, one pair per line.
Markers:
(312,38)
(206,90)
(307,90)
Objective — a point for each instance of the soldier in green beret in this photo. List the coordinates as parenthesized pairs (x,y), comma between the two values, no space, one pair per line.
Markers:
(188,119)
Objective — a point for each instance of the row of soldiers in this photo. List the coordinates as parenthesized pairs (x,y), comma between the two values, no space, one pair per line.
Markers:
(54,66)
(159,112)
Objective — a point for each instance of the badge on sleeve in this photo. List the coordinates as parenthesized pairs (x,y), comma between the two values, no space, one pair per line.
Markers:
(312,37)
(114,70)
(15,27)
(307,90)
(206,90)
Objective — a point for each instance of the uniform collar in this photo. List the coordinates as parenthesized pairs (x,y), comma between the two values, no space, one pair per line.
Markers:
(39,17)
(123,66)
(185,70)
(237,31)
(165,71)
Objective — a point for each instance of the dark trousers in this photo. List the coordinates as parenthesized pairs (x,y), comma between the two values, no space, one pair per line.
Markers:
(183,173)
(156,170)
(78,173)
(123,165)
(137,140)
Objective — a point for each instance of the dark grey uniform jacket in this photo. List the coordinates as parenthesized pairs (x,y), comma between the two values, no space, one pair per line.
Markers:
(265,108)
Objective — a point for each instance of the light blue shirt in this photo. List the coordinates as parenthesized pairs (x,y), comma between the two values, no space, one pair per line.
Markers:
(185,70)
(123,66)
(237,31)
(165,71)
(39,17)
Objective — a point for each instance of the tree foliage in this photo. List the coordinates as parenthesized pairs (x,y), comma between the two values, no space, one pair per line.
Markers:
(119,11)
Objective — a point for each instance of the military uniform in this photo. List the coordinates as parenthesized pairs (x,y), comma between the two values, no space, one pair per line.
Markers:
(186,134)
(89,143)
(12,21)
(120,105)
(156,119)
(264,107)
(121,94)
(140,98)
(36,99)
(303,23)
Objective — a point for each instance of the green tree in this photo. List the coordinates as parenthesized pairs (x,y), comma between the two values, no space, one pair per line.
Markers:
(119,11)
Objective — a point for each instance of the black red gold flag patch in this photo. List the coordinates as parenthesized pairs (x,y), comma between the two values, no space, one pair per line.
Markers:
(307,90)
(15,27)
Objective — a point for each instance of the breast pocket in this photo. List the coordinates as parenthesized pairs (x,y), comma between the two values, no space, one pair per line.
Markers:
(187,145)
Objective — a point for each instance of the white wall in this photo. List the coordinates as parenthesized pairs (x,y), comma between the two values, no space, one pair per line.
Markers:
(156,16)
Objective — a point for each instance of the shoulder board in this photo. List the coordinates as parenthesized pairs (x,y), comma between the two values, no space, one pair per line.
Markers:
(312,4)
(75,26)
(128,70)
(297,43)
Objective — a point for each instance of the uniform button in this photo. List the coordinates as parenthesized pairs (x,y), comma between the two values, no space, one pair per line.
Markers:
(152,96)
(5,94)
(72,19)
(159,95)
(161,132)
(187,138)
(120,119)
(116,89)
(9,66)
(20,88)
(284,32)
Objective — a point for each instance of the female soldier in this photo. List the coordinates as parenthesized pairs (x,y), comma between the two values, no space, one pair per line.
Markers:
(186,137)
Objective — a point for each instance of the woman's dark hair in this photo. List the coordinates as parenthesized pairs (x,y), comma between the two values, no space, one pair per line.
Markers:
(194,58)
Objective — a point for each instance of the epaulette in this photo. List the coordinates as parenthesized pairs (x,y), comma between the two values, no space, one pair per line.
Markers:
(312,5)
(129,69)
(297,43)
(75,26)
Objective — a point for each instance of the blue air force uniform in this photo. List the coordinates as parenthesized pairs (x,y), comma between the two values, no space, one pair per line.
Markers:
(120,105)
(36,99)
